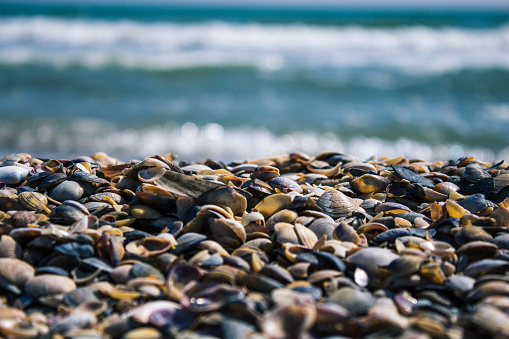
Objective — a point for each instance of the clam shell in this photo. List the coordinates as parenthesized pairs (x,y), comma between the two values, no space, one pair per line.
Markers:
(15,272)
(34,201)
(49,284)
(224,196)
(336,204)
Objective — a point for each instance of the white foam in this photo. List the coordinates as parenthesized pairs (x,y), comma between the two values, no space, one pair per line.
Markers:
(191,142)
(271,47)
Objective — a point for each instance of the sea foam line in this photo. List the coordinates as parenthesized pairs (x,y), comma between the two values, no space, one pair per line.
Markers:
(163,46)
(192,143)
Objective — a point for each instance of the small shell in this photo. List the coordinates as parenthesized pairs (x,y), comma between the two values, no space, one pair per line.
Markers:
(368,183)
(273,203)
(49,284)
(15,271)
(12,175)
(336,204)
(66,190)
(150,246)
(144,212)
(34,201)
(289,321)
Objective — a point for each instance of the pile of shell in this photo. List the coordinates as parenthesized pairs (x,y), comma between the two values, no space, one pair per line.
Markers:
(285,247)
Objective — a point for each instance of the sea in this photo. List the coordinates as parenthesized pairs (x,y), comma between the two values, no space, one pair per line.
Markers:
(241,83)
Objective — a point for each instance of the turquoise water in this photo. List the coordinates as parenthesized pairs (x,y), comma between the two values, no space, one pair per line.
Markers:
(246,83)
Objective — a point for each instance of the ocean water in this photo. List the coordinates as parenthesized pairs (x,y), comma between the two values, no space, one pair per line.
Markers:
(235,84)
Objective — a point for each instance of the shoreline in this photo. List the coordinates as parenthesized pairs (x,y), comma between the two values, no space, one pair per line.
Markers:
(287,246)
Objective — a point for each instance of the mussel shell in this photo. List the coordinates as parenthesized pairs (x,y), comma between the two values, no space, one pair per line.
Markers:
(75,249)
(11,175)
(66,214)
(406,174)
(52,180)
(187,241)
(66,190)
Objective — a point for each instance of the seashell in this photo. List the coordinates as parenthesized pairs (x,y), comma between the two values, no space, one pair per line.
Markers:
(355,301)
(75,249)
(49,284)
(323,226)
(467,234)
(110,248)
(446,187)
(289,321)
(144,212)
(66,190)
(272,204)
(142,270)
(285,233)
(253,217)
(66,214)
(475,203)
(392,208)
(179,276)
(228,233)
(406,174)
(187,241)
(14,273)
(259,283)
(486,266)
(491,320)
(373,256)
(74,320)
(23,218)
(336,204)
(224,196)
(368,183)
(476,250)
(303,203)
(107,197)
(121,274)
(150,246)
(206,297)
(284,215)
(285,184)
(34,201)
(475,172)
(12,175)
(461,283)
(186,185)
(52,180)
(80,296)
(306,236)
(265,173)
(9,248)
(345,232)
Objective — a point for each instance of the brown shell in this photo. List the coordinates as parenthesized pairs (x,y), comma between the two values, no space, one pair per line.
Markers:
(336,204)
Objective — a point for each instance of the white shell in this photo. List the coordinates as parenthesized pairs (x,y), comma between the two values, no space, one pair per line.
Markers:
(13,174)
